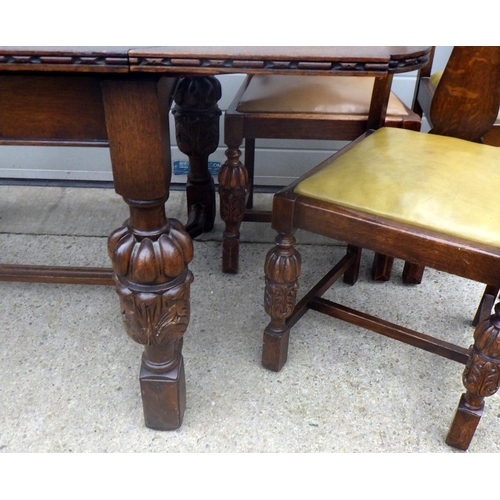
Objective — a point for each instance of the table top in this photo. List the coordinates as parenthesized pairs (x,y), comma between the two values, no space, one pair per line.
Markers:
(215,60)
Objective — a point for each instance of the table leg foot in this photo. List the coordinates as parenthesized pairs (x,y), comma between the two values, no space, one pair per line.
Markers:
(196,220)
(163,395)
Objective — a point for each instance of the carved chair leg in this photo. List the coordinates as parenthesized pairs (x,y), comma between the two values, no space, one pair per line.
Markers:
(282,269)
(382,267)
(481,378)
(233,189)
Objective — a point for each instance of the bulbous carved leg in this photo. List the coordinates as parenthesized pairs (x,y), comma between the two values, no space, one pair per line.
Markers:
(233,191)
(152,282)
(197,132)
(481,378)
(149,253)
(282,269)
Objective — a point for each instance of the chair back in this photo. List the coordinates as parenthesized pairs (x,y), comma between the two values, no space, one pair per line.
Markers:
(466,101)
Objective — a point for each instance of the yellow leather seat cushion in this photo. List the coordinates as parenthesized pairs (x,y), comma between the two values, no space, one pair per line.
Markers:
(431,181)
(312,94)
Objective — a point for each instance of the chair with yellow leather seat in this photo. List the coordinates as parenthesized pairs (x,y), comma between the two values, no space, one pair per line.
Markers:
(297,107)
(438,210)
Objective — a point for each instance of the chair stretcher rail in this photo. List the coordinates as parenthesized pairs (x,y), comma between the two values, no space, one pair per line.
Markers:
(420,340)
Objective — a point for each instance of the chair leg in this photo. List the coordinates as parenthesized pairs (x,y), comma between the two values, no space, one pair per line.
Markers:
(233,188)
(413,273)
(282,269)
(382,267)
(250,165)
(351,275)
(481,378)
(486,305)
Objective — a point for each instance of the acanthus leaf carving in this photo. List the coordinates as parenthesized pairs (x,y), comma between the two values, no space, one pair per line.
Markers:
(282,270)
(482,372)
(156,318)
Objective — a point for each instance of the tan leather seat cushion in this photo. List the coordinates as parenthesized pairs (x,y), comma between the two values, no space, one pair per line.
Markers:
(312,94)
(431,181)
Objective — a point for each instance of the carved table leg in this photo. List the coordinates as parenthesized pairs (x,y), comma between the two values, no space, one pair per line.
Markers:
(149,253)
(152,281)
(481,378)
(282,269)
(197,131)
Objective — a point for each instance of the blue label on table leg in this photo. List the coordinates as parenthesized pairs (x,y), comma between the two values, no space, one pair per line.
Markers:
(181,167)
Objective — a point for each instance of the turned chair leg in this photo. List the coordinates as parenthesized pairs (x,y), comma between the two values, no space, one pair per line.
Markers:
(233,189)
(481,378)
(282,269)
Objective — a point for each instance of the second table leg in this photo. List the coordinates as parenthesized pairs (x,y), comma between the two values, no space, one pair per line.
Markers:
(197,116)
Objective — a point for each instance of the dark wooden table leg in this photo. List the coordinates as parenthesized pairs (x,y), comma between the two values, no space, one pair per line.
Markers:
(150,253)
(197,132)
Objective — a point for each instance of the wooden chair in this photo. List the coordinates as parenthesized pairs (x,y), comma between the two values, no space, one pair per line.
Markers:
(297,107)
(438,210)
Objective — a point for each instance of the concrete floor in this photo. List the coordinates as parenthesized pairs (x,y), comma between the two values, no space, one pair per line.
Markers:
(69,377)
